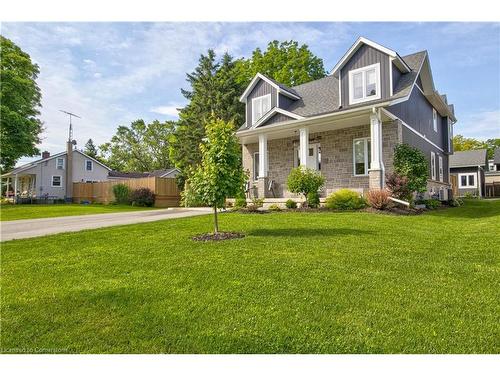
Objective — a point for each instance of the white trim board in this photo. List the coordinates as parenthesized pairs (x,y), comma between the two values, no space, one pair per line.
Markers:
(361,40)
(272,112)
(264,78)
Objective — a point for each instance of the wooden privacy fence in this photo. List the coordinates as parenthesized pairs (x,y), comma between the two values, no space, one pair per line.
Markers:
(165,189)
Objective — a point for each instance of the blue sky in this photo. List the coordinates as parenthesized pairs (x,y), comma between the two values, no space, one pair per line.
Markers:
(114,73)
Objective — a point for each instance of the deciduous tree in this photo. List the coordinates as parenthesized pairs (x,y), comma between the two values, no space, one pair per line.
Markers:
(20,100)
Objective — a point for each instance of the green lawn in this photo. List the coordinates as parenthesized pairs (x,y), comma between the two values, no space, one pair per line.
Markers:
(37,211)
(297,283)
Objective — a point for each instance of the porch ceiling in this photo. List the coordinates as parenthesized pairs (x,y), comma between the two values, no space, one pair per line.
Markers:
(291,128)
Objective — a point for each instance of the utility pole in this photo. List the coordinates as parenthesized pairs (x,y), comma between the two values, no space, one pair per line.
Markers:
(69,159)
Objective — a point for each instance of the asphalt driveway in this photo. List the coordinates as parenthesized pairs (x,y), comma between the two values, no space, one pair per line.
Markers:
(41,227)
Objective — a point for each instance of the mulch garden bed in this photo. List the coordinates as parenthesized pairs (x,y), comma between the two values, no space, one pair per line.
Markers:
(221,236)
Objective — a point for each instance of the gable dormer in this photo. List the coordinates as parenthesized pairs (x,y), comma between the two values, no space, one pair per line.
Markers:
(263,97)
(368,72)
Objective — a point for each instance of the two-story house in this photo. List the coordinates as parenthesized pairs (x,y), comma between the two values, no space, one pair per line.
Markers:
(347,124)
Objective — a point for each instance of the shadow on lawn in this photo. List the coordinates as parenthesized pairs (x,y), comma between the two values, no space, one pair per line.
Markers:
(307,232)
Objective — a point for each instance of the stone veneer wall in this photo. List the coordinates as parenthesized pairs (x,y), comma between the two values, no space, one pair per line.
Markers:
(336,157)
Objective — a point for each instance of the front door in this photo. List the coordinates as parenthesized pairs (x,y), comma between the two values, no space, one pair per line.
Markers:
(313,156)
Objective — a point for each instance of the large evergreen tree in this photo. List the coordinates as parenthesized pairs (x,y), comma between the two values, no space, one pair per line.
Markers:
(286,62)
(214,92)
(20,100)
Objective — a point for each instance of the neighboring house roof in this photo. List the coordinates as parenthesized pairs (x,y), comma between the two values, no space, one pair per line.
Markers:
(156,173)
(25,167)
(468,158)
(496,156)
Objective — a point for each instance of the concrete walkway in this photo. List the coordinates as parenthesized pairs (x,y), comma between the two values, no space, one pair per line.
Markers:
(41,227)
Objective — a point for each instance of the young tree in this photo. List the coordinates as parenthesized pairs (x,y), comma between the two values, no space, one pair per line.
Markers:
(139,148)
(285,62)
(220,174)
(20,100)
(306,181)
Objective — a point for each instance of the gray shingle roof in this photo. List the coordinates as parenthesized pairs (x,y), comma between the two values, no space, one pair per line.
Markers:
(496,156)
(321,96)
(468,158)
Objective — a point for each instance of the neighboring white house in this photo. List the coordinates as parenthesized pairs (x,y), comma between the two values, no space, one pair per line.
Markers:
(53,176)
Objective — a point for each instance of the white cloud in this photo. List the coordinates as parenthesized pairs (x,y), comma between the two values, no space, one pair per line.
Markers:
(169,110)
(482,125)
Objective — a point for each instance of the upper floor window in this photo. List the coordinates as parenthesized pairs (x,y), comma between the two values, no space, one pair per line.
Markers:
(88,165)
(60,163)
(361,156)
(441,169)
(364,84)
(434,120)
(260,106)
(491,166)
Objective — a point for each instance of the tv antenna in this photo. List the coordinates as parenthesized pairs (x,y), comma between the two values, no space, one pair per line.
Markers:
(70,136)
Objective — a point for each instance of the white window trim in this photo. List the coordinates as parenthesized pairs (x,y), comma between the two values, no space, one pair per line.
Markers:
(434,120)
(460,186)
(253,104)
(351,86)
(433,165)
(52,181)
(57,163)
(441,171)
(365,146)
(91,166)
(255,173)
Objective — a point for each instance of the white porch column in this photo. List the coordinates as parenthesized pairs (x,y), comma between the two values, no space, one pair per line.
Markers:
(263,162)
(376,171)
(303,146)
(15,187)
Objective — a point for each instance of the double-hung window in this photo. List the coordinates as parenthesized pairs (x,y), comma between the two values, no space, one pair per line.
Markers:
(88,165)
(60,163)
(260,106)
(361,156)
(434,120)
(433,166)
(441,169)
(256,166)
(364,84)
(467,180)
(56,181)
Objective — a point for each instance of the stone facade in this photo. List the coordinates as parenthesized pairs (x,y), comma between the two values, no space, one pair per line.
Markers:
(336,157)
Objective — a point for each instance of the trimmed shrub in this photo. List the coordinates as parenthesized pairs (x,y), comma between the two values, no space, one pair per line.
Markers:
(274,207)
(455,202)
(240,202)
(142,197)
(312,199)
(121,193)
(411,163)
(291,204)
(303,180)
(345,199)
(432,204)
(379,199)
(255,205)
(399,187)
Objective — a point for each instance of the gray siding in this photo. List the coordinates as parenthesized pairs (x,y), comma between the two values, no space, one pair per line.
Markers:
(475,191)
(418,142)
(260,89)
(285,101)
(419,83)
(365,56)
(417,112)
(396,75)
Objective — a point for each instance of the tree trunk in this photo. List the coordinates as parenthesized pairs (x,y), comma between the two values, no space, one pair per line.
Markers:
(216,222)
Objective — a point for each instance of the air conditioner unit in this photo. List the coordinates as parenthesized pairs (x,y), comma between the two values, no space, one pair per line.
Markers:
(443,194)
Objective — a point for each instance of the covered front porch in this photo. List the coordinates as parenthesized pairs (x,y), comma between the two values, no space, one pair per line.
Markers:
(351,150)
(18,186)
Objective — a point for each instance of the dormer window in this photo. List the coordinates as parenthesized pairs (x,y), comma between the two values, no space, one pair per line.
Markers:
(260,106)
(364,84)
